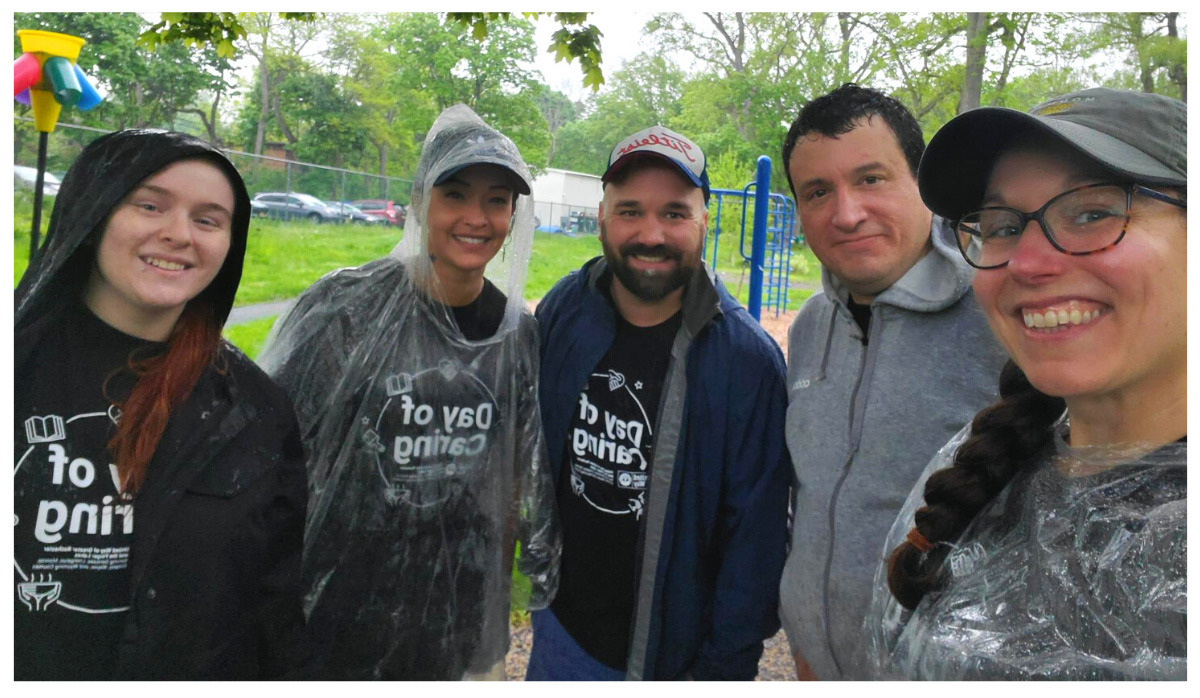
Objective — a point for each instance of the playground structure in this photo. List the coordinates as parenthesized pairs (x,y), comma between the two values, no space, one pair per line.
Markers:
(770,256)
(47,78)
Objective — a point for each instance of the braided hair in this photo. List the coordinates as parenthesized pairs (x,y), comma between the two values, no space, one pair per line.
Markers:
(1004,438)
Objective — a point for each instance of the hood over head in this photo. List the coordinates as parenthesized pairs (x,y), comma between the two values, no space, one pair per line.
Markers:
(458,139)
(105,172)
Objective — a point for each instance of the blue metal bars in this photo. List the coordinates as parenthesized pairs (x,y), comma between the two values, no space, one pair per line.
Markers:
(771,252)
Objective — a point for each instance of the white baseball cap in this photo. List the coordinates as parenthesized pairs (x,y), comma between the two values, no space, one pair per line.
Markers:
(660,141)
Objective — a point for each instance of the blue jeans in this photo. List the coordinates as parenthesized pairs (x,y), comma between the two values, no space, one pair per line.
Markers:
(555,656)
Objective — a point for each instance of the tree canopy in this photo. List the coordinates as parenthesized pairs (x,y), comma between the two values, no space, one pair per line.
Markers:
(360,91)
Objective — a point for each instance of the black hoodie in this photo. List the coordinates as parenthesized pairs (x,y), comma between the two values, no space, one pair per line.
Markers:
(215,554)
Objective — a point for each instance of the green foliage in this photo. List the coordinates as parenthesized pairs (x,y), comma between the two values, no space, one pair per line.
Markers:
(143,87)
(217,29)
(730,170)
(360,91)
(644,92)
(1151,43)
(575,40)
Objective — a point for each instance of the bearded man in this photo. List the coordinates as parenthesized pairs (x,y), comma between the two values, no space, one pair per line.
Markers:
(663,404)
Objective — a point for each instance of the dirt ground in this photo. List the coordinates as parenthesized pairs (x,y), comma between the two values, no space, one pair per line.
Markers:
(777,327)
(776,663)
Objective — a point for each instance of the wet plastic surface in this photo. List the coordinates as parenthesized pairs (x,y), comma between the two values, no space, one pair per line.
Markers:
(426,452)
(1078,570)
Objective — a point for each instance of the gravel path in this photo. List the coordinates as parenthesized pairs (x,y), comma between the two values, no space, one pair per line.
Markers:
(246,313)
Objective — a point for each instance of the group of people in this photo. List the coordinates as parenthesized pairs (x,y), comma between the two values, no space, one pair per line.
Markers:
(971,465)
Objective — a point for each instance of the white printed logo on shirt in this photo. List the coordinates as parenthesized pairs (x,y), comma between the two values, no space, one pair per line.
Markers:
(434,424)
(610,450)
(69,512)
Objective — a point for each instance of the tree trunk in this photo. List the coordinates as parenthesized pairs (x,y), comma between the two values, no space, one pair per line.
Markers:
(972,88)
(287,132)
(1137,38)
(383,158)
(211,122)
(1178,72)
(847,30)
(137,102)
(264,80)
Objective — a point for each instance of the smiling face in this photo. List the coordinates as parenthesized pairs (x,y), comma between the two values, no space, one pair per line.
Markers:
(468,220)
(652,225)
(1109,324)
(859,206)
(162,245)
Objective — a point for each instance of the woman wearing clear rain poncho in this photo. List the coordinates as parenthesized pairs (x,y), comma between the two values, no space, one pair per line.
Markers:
(415,382)
(1052,544)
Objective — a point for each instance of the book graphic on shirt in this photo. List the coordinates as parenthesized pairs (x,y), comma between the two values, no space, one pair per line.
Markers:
(72,526)
(40,430)
(398,384)
(434,426)
(610,446)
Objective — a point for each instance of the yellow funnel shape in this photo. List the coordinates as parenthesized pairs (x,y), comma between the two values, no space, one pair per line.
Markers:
(51,43)
(45,110)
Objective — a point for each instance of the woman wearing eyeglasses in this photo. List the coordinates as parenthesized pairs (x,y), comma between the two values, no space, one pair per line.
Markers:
(1048,539)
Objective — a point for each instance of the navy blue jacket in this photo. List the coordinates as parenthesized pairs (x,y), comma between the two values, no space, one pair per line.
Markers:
(715,527)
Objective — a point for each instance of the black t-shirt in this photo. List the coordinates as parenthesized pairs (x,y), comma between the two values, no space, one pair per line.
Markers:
(404,560)
(861,315)
(480,318)
(73,529)
(602,491)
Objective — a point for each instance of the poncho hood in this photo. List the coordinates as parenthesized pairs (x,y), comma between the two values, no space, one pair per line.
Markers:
(458,139)
(100,178)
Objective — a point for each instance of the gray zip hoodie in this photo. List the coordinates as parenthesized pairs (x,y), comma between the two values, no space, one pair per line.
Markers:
(862,423)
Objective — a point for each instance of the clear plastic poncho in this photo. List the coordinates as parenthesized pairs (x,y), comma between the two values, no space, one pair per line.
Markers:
(1077,570)
(426,456)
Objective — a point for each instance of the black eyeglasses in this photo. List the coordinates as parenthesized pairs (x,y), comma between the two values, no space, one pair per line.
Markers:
(1080,221)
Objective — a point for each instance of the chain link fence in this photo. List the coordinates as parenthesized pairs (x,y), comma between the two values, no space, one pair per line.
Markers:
(262,173)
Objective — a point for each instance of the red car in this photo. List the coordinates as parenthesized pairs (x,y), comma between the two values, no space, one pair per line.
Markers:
(392,211)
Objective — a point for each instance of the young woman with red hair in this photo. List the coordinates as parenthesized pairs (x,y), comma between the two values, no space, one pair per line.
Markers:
(127,400)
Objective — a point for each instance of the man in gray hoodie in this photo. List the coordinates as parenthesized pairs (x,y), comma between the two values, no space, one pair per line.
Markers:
(884,365)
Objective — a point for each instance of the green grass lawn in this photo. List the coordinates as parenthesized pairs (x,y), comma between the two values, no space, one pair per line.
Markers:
(249,336)
(284,258)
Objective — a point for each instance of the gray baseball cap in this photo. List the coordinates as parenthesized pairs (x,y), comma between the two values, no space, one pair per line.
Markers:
(1138,136)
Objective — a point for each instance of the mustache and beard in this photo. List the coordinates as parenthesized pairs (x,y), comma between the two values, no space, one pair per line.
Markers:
(650,286)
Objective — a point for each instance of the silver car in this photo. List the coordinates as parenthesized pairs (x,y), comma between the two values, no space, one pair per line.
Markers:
(289,206)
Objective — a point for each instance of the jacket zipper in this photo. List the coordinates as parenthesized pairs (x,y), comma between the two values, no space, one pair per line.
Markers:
(853,436)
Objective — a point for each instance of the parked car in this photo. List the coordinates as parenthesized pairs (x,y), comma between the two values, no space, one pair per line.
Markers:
(390,210)
(26,178)
(354,214)
(286,206)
